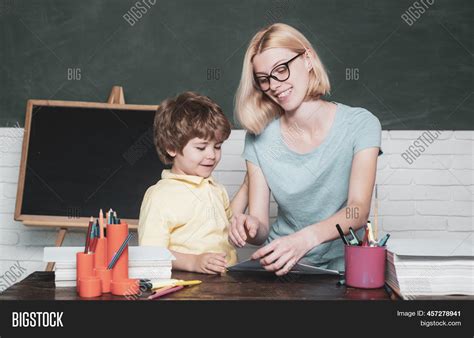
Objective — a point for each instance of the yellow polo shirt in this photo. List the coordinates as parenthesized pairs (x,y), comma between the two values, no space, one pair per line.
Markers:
(187,214)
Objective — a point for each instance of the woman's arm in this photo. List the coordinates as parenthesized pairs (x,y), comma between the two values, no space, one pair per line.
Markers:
(254,227)
(281,254)
(355,215)
(241,199)
(259,202)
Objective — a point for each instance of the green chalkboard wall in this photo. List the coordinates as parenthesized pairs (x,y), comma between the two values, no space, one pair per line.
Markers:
(415,73)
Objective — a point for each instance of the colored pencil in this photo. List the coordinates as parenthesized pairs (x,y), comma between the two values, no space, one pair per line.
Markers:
(86,246)
(161,293)
(119,252)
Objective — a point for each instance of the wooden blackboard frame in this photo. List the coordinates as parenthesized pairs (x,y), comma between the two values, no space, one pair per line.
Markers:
(117,102)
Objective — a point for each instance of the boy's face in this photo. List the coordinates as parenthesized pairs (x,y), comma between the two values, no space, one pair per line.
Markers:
(199,157)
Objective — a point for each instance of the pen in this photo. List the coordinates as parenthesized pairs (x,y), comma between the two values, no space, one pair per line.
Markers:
(344,240)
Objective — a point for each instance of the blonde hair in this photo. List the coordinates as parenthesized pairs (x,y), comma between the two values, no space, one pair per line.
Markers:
(254,109)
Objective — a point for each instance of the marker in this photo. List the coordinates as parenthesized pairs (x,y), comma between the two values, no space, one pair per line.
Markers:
(371,234)
(344,240)
(365,241)
(384,240)
(354,235)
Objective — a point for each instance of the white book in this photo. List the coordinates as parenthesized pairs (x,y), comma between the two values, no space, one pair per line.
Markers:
(70,274)
(430,267)
(135,253)
(151,264)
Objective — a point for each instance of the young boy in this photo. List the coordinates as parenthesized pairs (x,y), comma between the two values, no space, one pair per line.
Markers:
(187,211)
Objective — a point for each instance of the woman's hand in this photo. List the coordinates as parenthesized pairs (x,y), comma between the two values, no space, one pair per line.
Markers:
(242,227)
(284,252)
(210,263)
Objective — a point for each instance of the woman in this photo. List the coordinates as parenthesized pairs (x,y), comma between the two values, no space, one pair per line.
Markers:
(317,158)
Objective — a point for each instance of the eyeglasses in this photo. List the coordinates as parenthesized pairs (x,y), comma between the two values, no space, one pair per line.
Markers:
(280,73)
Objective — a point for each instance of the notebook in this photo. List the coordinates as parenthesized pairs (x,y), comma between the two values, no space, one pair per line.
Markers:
(251,265)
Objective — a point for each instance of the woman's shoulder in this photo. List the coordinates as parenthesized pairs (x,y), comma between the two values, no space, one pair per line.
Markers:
(357,115)
(269,134)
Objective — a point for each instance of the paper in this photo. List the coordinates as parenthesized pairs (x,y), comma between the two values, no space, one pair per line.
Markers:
(432,247)
(299,268)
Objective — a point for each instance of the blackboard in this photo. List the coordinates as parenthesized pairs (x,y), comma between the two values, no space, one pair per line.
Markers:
(411,75)
(79,157)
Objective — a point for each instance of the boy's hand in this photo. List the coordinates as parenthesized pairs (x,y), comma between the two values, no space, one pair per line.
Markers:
(242,227)
(211,263)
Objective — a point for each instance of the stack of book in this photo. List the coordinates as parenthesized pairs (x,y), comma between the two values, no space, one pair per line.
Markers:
(418,268)
(144,262)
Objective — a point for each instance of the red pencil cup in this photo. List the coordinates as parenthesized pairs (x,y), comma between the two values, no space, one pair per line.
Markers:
(365,266)
(84,266)
(90,286)
(105,276)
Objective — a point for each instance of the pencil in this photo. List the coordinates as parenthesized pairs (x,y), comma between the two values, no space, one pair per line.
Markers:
(165,292)
(101,223)
(86,246)
(119,252)
(96,236)
(376,215)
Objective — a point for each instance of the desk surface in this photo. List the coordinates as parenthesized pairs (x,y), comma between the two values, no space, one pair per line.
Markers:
(230,286)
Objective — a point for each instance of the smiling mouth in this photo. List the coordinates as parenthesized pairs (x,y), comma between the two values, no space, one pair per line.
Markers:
(208,165)
(285,93)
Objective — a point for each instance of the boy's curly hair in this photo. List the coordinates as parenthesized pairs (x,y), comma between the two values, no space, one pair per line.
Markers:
(184,117)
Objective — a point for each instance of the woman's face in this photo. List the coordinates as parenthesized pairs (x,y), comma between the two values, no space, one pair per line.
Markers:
(290,93)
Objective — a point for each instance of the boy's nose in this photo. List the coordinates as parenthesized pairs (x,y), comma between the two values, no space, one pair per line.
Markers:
(211,154)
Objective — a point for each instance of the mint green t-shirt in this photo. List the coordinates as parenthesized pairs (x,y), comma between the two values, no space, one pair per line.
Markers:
(312,187)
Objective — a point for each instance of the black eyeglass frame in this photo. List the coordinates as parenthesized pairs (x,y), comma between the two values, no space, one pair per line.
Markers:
(271,76)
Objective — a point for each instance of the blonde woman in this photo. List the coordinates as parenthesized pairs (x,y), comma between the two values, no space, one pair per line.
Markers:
(317,158)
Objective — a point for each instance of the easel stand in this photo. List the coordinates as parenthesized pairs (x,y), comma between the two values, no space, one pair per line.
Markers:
(116,97)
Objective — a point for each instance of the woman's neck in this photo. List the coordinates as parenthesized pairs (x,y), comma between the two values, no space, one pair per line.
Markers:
(310,116)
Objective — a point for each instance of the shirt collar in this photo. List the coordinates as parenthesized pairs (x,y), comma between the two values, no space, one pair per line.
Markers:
(167,174)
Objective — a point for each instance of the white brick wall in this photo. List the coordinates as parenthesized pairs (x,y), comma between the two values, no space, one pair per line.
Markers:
(432,197)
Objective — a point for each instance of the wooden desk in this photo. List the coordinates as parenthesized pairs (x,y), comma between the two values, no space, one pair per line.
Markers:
(231,286)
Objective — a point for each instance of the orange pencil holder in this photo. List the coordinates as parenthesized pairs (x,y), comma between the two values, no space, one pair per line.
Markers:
(90,287)
(84,267)
(100,260)
(120,284)
(105,276)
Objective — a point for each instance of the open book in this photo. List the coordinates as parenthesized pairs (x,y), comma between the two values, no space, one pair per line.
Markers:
(299,268)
